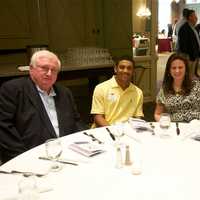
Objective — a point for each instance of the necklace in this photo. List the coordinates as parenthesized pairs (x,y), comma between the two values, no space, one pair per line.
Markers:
(177,89)
(178,92)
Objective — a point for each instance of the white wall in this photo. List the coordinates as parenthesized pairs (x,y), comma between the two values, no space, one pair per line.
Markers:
(192,1)
(163,14)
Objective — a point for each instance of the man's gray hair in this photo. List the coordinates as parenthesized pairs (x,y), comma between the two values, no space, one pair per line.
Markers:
(43,53)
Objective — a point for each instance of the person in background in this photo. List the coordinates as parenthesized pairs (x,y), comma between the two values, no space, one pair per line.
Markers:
(117,99)
(179,94)
(197,67)
(34,109)
(179,24)
(189,41)
(162,34)
(170,30)
(197,27)
(174,35)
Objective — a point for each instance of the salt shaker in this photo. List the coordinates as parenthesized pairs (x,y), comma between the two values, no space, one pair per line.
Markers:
(118,164)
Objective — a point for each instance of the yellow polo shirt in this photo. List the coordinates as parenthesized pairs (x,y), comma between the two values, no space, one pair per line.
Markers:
(116,104)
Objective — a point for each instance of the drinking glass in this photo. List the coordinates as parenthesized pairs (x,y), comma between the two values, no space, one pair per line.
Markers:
(53,151)
(137,167)
(164,124)
(118,131)
(27,188)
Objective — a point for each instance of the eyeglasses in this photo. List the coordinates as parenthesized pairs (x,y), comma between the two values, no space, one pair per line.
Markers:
(46,70)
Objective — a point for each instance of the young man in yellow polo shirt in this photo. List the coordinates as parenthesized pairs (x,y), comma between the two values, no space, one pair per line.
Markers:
(117,99)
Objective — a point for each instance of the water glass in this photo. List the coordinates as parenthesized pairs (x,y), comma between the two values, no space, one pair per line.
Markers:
(53,151)
(27,189)
(118,131)
(165,122)
(137,167)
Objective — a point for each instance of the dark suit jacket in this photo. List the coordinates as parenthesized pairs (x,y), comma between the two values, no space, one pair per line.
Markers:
(197,27)
(24,122)
(170,30)
(187,41)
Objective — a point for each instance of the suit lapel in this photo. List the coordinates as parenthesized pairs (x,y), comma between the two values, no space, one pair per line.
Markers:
(34,97)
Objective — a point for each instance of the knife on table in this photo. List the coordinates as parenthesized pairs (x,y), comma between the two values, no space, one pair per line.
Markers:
(110,133)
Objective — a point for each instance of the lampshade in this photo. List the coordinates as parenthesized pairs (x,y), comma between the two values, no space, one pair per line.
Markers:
(143,12)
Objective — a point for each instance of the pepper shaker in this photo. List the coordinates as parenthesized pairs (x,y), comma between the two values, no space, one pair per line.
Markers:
(127,156)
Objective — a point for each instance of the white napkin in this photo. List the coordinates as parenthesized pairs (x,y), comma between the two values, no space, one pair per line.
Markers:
(195,129)
(192,129)
(87,149)
(139,124)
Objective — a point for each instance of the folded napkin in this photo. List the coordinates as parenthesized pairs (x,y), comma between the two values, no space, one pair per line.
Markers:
(196,137)
(195,129)
(139,124)
(86,149)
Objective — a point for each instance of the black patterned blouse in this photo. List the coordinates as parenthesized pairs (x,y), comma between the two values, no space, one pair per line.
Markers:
(182,108)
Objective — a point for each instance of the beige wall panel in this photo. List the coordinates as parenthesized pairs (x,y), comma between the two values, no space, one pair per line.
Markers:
(23,23)
(143,79)
(138,23)
(14,21)
(118,26)
(66,22)
(146,79)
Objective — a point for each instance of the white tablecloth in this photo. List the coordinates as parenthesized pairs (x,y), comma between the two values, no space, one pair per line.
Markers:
(170,169)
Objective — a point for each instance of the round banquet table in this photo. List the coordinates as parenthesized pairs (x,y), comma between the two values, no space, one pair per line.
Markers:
(170,168)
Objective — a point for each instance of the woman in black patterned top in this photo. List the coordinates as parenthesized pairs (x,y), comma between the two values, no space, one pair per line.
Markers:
(179,95)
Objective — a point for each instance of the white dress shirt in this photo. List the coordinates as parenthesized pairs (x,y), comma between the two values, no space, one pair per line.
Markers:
(49,104)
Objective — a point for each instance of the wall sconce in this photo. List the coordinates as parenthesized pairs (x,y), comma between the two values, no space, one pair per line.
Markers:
(143,12)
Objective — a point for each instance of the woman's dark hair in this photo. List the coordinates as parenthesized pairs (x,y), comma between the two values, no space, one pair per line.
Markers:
(168,79)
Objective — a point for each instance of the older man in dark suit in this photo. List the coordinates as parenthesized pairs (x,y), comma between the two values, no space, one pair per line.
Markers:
(188,39)
(34,109)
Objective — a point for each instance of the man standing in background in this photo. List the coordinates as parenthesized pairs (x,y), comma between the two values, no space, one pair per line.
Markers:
(189,41)
(179,23)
